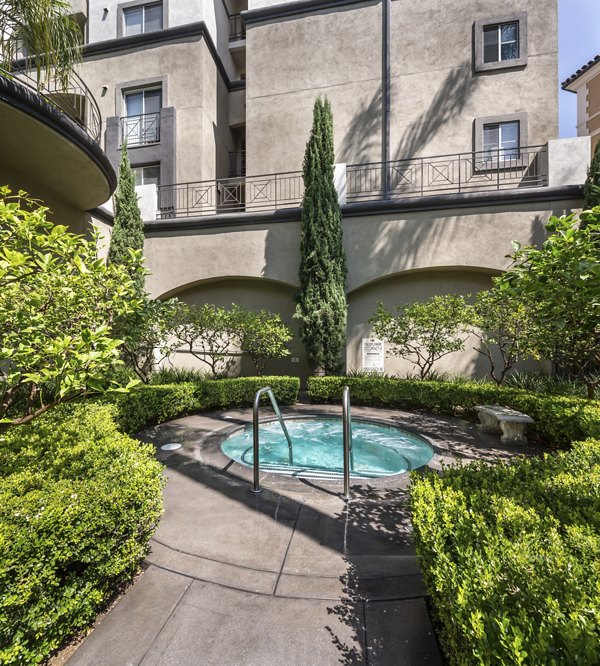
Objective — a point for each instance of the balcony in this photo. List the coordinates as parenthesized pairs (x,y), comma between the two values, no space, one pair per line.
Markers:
(74,99)
(141,130)
(231,195)
(460,173)
(51,144)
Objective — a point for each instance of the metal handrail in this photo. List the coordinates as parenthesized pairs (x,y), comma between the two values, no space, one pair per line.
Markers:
(75,100)
(237,27)
(347,430)
(455,173)
(256,436)
(141,129)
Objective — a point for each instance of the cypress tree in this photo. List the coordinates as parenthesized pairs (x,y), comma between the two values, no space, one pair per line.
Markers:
(321,303)
(591,188)
(128,228)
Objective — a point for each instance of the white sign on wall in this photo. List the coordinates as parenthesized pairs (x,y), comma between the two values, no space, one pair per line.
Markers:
(373,355)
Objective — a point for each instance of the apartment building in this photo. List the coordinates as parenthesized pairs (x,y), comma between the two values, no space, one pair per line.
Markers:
(445,115)
(585,83)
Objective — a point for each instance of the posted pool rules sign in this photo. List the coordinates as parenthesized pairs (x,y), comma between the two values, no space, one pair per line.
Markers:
(372,355)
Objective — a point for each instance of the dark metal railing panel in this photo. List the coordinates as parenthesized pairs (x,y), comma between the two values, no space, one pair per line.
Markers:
(482,171)
(231,195)
(237,27)
(141,130)
(74,99)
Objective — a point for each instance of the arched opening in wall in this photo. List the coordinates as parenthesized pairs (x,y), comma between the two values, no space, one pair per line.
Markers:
(408,287)
(254,294)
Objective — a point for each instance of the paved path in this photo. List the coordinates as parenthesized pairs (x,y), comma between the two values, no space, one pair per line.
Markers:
(291,576)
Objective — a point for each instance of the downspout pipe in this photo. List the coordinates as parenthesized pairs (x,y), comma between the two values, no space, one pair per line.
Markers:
(386,84)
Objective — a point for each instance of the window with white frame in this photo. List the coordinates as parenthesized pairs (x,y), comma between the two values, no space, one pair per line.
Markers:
(501,141)
(501,42)
(141,124)
(147,175)
(145,18)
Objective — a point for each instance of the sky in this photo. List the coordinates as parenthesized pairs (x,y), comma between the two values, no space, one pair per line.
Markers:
(578,42)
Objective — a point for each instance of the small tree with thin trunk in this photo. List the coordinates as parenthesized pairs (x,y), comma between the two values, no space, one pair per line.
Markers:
(321,300)
(209,334)
(506,327)
(128,229)
(423,333)
(262,335)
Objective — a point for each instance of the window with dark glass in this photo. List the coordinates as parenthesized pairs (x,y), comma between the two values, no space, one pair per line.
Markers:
(501,140)
(145,18)
(141,124)
(147,175)
(501,42)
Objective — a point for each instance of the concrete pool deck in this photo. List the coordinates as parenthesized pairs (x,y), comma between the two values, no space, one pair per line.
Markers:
(291,576)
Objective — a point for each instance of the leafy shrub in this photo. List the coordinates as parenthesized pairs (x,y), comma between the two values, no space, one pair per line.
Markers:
(558,419)
(78,504)
(58,306)
(177,376)
(148,405)
(511,558)
(547,384)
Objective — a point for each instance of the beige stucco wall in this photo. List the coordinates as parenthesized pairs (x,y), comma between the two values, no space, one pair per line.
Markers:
(104,16)
(435,96)
(377,246)
(197,92)
(397,258)
(407,288)
(289,63)
(180,259)
(254,295)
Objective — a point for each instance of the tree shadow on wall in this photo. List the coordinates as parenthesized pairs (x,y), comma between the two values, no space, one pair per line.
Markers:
(449,103)
(362,142)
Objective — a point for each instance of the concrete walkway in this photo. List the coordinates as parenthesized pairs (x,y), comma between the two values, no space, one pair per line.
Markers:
(292,576)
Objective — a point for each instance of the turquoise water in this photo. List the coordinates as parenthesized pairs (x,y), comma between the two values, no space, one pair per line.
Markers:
(318,447)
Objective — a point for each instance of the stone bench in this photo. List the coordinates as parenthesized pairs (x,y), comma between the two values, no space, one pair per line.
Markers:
(512,424)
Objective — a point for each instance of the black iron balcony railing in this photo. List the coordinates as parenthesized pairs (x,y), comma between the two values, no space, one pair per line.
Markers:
(141,130)
(73,99)
(461,173)
(231,195)
(237,27)
(237,164)
(448,174)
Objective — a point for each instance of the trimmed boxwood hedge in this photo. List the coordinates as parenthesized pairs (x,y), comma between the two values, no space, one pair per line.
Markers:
(558,420)
(79,501)
(511,558)
(150,405)
(510,553)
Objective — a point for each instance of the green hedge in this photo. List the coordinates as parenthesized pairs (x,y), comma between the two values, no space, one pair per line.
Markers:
(511,558)
(558,420)
(78,503)
(150,405)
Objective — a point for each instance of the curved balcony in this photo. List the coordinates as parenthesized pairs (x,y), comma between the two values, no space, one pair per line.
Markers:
(51,141)
(75,99)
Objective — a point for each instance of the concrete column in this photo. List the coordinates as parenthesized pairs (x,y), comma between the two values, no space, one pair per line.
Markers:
(568,161)
(339,178)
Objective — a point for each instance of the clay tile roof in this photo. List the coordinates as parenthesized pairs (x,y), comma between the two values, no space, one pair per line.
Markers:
(579,72)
